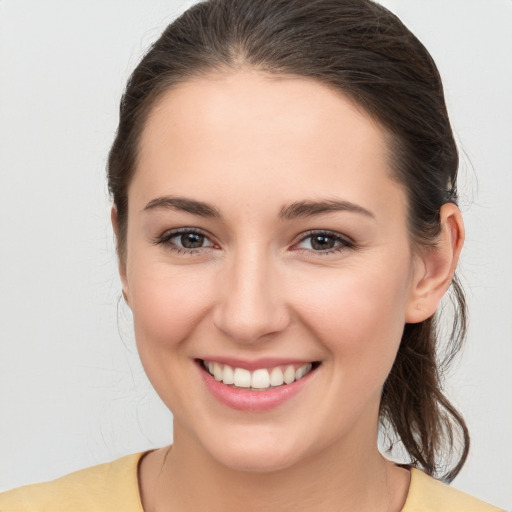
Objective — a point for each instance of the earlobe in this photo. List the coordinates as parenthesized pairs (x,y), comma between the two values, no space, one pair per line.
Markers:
(436,266)
(120,260)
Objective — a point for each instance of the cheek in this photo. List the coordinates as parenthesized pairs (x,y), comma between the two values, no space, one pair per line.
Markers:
(167,303)
(358,312)
(168,307)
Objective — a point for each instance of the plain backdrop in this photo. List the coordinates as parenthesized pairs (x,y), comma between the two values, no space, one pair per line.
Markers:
(72,391)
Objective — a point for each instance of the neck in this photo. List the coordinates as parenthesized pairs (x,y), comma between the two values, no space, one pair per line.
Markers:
(348,476)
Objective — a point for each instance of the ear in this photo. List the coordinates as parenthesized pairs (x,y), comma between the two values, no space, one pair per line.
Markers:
(436,266)
(121,259)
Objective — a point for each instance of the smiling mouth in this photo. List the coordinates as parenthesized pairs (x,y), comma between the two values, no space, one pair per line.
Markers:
(261,379)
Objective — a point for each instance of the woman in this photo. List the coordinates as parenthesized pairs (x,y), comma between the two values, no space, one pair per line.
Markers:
(284,189)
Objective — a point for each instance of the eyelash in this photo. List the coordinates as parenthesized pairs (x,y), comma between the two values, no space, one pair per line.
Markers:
(165,239)
(344,242)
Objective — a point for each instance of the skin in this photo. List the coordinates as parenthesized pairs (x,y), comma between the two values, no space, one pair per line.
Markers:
(249,145)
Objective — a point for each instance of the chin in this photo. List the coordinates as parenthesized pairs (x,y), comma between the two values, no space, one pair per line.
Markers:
(257,454)
(257,461)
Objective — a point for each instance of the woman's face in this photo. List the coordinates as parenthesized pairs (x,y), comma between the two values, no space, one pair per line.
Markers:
(265,232)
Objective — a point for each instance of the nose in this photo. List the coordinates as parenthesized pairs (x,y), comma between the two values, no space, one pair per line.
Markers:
(252,303)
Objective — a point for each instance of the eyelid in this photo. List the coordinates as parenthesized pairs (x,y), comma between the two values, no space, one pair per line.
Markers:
(346,242)
(165,239)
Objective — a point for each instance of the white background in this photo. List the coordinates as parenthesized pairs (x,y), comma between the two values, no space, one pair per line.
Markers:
(72,392)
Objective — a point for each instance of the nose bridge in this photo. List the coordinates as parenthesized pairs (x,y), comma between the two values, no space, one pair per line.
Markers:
(251,304)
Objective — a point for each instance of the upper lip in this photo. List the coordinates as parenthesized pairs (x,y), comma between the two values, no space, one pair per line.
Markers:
(254,364)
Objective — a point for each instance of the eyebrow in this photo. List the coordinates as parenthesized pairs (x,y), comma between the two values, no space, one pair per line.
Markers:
(298,209)
(185,205)
(312,208)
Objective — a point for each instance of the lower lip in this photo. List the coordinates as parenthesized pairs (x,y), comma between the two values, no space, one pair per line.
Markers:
(246,400)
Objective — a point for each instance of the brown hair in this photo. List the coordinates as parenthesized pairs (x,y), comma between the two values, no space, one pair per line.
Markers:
(364,51)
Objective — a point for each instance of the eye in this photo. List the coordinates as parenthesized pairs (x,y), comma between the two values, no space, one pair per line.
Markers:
(185,240)
(324,242)
(190,240)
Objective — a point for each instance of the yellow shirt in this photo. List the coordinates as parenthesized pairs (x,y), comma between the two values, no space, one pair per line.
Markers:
(113,487)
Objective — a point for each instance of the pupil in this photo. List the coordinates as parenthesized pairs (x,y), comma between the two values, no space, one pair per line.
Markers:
(322,242)
(192,240)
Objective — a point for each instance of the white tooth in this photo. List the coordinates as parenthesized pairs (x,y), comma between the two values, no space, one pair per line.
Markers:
(210,367)
(276,376)
(227,375)
(242,378)
(217,371)
(302,371)
(260,379)
(289,374)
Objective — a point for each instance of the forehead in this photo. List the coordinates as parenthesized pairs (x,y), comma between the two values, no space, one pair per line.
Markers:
(249,132)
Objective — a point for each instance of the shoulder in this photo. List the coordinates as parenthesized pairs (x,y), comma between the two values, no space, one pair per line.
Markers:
(426,494)
(103,488)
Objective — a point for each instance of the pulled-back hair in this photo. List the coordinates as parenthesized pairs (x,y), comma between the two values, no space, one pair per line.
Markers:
(365,52)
